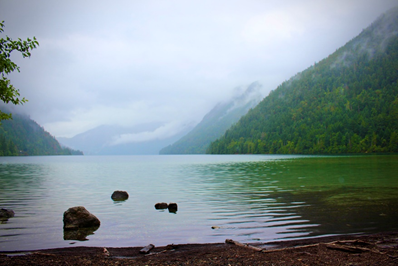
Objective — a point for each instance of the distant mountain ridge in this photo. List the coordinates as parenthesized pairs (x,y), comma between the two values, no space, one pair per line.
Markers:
(100,140)
(216,122)
(23,136)
(346,103)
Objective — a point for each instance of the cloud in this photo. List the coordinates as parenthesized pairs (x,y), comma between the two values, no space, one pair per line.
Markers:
(273,26)
(160,133)
(128,62)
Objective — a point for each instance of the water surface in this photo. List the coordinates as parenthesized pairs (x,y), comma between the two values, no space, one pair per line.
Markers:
(249,198)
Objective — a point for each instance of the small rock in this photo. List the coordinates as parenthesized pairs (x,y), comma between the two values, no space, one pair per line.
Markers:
(105,252)
(161,205)
(4,213)
(79,217)
(173,207)
(171,247)
(145,250)
(120,195)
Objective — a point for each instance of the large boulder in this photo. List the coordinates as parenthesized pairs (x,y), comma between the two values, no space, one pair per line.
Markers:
(5,214)
(120,195)
(79,217)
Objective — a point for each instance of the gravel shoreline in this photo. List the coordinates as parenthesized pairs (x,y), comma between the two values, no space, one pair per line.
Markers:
(369,249)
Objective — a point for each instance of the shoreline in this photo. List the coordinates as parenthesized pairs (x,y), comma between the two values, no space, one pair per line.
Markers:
(360,249)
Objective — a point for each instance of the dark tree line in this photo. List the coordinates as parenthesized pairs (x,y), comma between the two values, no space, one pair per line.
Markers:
(23,136)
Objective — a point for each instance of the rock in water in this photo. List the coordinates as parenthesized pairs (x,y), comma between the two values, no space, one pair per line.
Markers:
(173,207)
(161,205)
(119,195)
(79,217)
(5,214)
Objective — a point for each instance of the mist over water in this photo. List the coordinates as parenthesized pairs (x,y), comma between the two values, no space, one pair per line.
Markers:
(246,198)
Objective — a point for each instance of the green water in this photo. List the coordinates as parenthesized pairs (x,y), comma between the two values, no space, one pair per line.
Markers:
(247,198)
(337,194)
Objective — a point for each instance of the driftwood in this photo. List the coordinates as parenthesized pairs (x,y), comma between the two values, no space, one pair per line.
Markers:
(340,245)
(145,250)
(156,253)
(345,245)
(355,242)
(290,248)
(170,247)
(43,254)
(230,241)
(346,248)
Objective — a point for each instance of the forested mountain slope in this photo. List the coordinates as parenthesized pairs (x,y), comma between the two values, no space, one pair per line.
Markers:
(23,136)
(216,122)
(346,103)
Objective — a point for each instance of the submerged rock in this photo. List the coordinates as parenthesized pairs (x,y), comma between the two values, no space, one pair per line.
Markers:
(173,207)
(5,214)
(120,195)
(161,205)
(79,217)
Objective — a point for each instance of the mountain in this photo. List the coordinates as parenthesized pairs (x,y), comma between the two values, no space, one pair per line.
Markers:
(346,103)
(216,122)
(23,136)
(101,140)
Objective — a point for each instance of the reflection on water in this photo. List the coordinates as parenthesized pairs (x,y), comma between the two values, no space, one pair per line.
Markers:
(304,196)
(79,234)
(245,198)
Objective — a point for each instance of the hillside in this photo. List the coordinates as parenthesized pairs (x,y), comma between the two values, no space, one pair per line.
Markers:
(346,103)
(215,123)
(23,136)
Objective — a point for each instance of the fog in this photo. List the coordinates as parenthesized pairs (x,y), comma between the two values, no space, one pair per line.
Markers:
(127,63)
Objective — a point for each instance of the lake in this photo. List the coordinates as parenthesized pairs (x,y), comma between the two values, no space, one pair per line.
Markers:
(248,198)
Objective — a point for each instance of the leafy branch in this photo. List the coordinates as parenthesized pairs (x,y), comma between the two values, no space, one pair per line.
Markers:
(8,93)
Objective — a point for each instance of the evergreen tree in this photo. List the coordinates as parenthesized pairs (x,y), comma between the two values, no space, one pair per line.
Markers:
(346,103)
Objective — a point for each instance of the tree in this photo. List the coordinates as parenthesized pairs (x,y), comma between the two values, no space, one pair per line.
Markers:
(8,93)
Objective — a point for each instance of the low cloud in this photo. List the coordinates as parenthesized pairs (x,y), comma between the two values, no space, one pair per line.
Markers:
(162,132)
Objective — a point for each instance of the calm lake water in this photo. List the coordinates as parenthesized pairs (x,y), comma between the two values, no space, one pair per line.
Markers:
(247,198)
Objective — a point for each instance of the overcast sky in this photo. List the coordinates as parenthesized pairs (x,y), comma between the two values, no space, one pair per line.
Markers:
(132,62)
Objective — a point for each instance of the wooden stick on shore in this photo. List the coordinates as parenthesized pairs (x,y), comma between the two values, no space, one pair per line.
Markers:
(289,248)
(337,245)
(233,242)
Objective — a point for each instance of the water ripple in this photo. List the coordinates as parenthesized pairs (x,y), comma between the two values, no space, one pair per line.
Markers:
(246,198)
